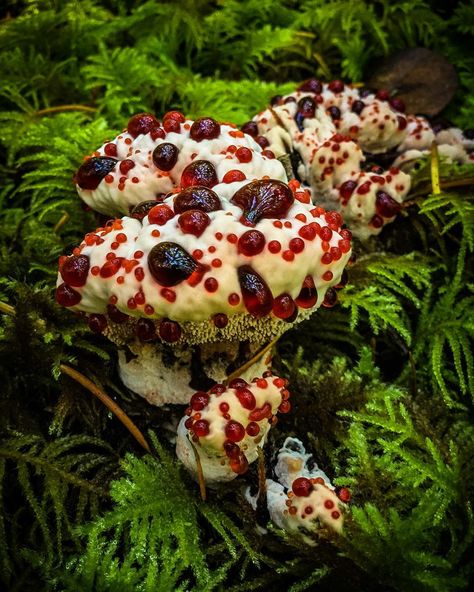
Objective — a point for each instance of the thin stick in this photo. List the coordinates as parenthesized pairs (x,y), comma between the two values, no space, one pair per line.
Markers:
(435,169)
(200,472)
(62,108)
(262,480)
(61,222)
(7,309)
(252,360)
(108,402)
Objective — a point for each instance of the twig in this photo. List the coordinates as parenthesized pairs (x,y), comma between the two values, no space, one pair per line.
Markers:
(7,309)
(108,402)
(252,360)
(61,222)
(200,472)
(262,479)
(435,169)
(62,108)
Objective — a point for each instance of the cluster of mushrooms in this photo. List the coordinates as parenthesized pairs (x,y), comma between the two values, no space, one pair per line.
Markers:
(225,238)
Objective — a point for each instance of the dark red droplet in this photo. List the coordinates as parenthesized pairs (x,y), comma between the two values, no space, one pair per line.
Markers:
(284,306)
(330,299)
(385,205)
(308,295)
(347,189)
(257,296)
(357,107)
(398,105)
(142,123)
(165,156)
(220,320)
(250,128)
(194,222)
(201,428)
(169,331)
(239,465)
(307,107)
(110,267)
(91,173)
(302,487)
(199,172)
(145,330)
(141,210)
(199,400)
(170,264)
(75,269)
(262,141)
(97,323)
(234,431)
(205,128)
(334,112)
(197,198)
(246,398)
(238,383)
(116,315)
(336,86)
(263,199)
(383,94)
(312,85)
(66,296)
(251,243)
(231,449)
(253,429)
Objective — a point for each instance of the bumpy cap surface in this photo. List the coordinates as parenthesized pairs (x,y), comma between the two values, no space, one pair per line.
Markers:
(150,159)
(241,262)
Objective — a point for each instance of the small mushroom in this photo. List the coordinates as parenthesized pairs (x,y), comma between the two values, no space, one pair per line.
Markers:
(226,426)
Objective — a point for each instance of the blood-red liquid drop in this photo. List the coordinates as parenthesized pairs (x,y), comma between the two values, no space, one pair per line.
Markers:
(205,128)
(263,199)
(194,222)
(170,264)
(199,172)
(197,198)
(165,156)
(257,296)
(75,269)
(91,173)
(308,295)
(142,123)
(169,331)
(66,296)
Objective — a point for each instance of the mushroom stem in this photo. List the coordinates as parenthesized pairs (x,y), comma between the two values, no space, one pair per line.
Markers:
(108,402)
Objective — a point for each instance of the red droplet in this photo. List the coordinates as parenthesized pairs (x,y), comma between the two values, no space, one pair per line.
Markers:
(145,330)
(233,176)
(160,215)
(205,128)
(261,413)
(312,85)
(170,264)
(199,172)
(329,504)
(274,246)
(347,189)
(194,222)
(165,156)
(257,296)
(175,115)
(199,400)
(343,494)
(231,449)
(383,94)
(201,428)
(246,398)
(142,123)
(239,465)
(169,331)
(211,284)
(75,269)
(296,245)
(251,243)
(238,383)
(284,407)
(224,407)
(97,323)
(263,199)
(126,165)
(302,487)
(234,431)
(284,306)
(111,267)
(110,149)
(253,429)
(385,205)
(243,154)
(308,295)
(157,132)
(91,173)
(196,198)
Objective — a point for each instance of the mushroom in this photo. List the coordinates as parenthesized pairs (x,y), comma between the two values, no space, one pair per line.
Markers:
(192,287)
(150,159)
(226,426)
(302,498)
(330,127)
(453,144)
